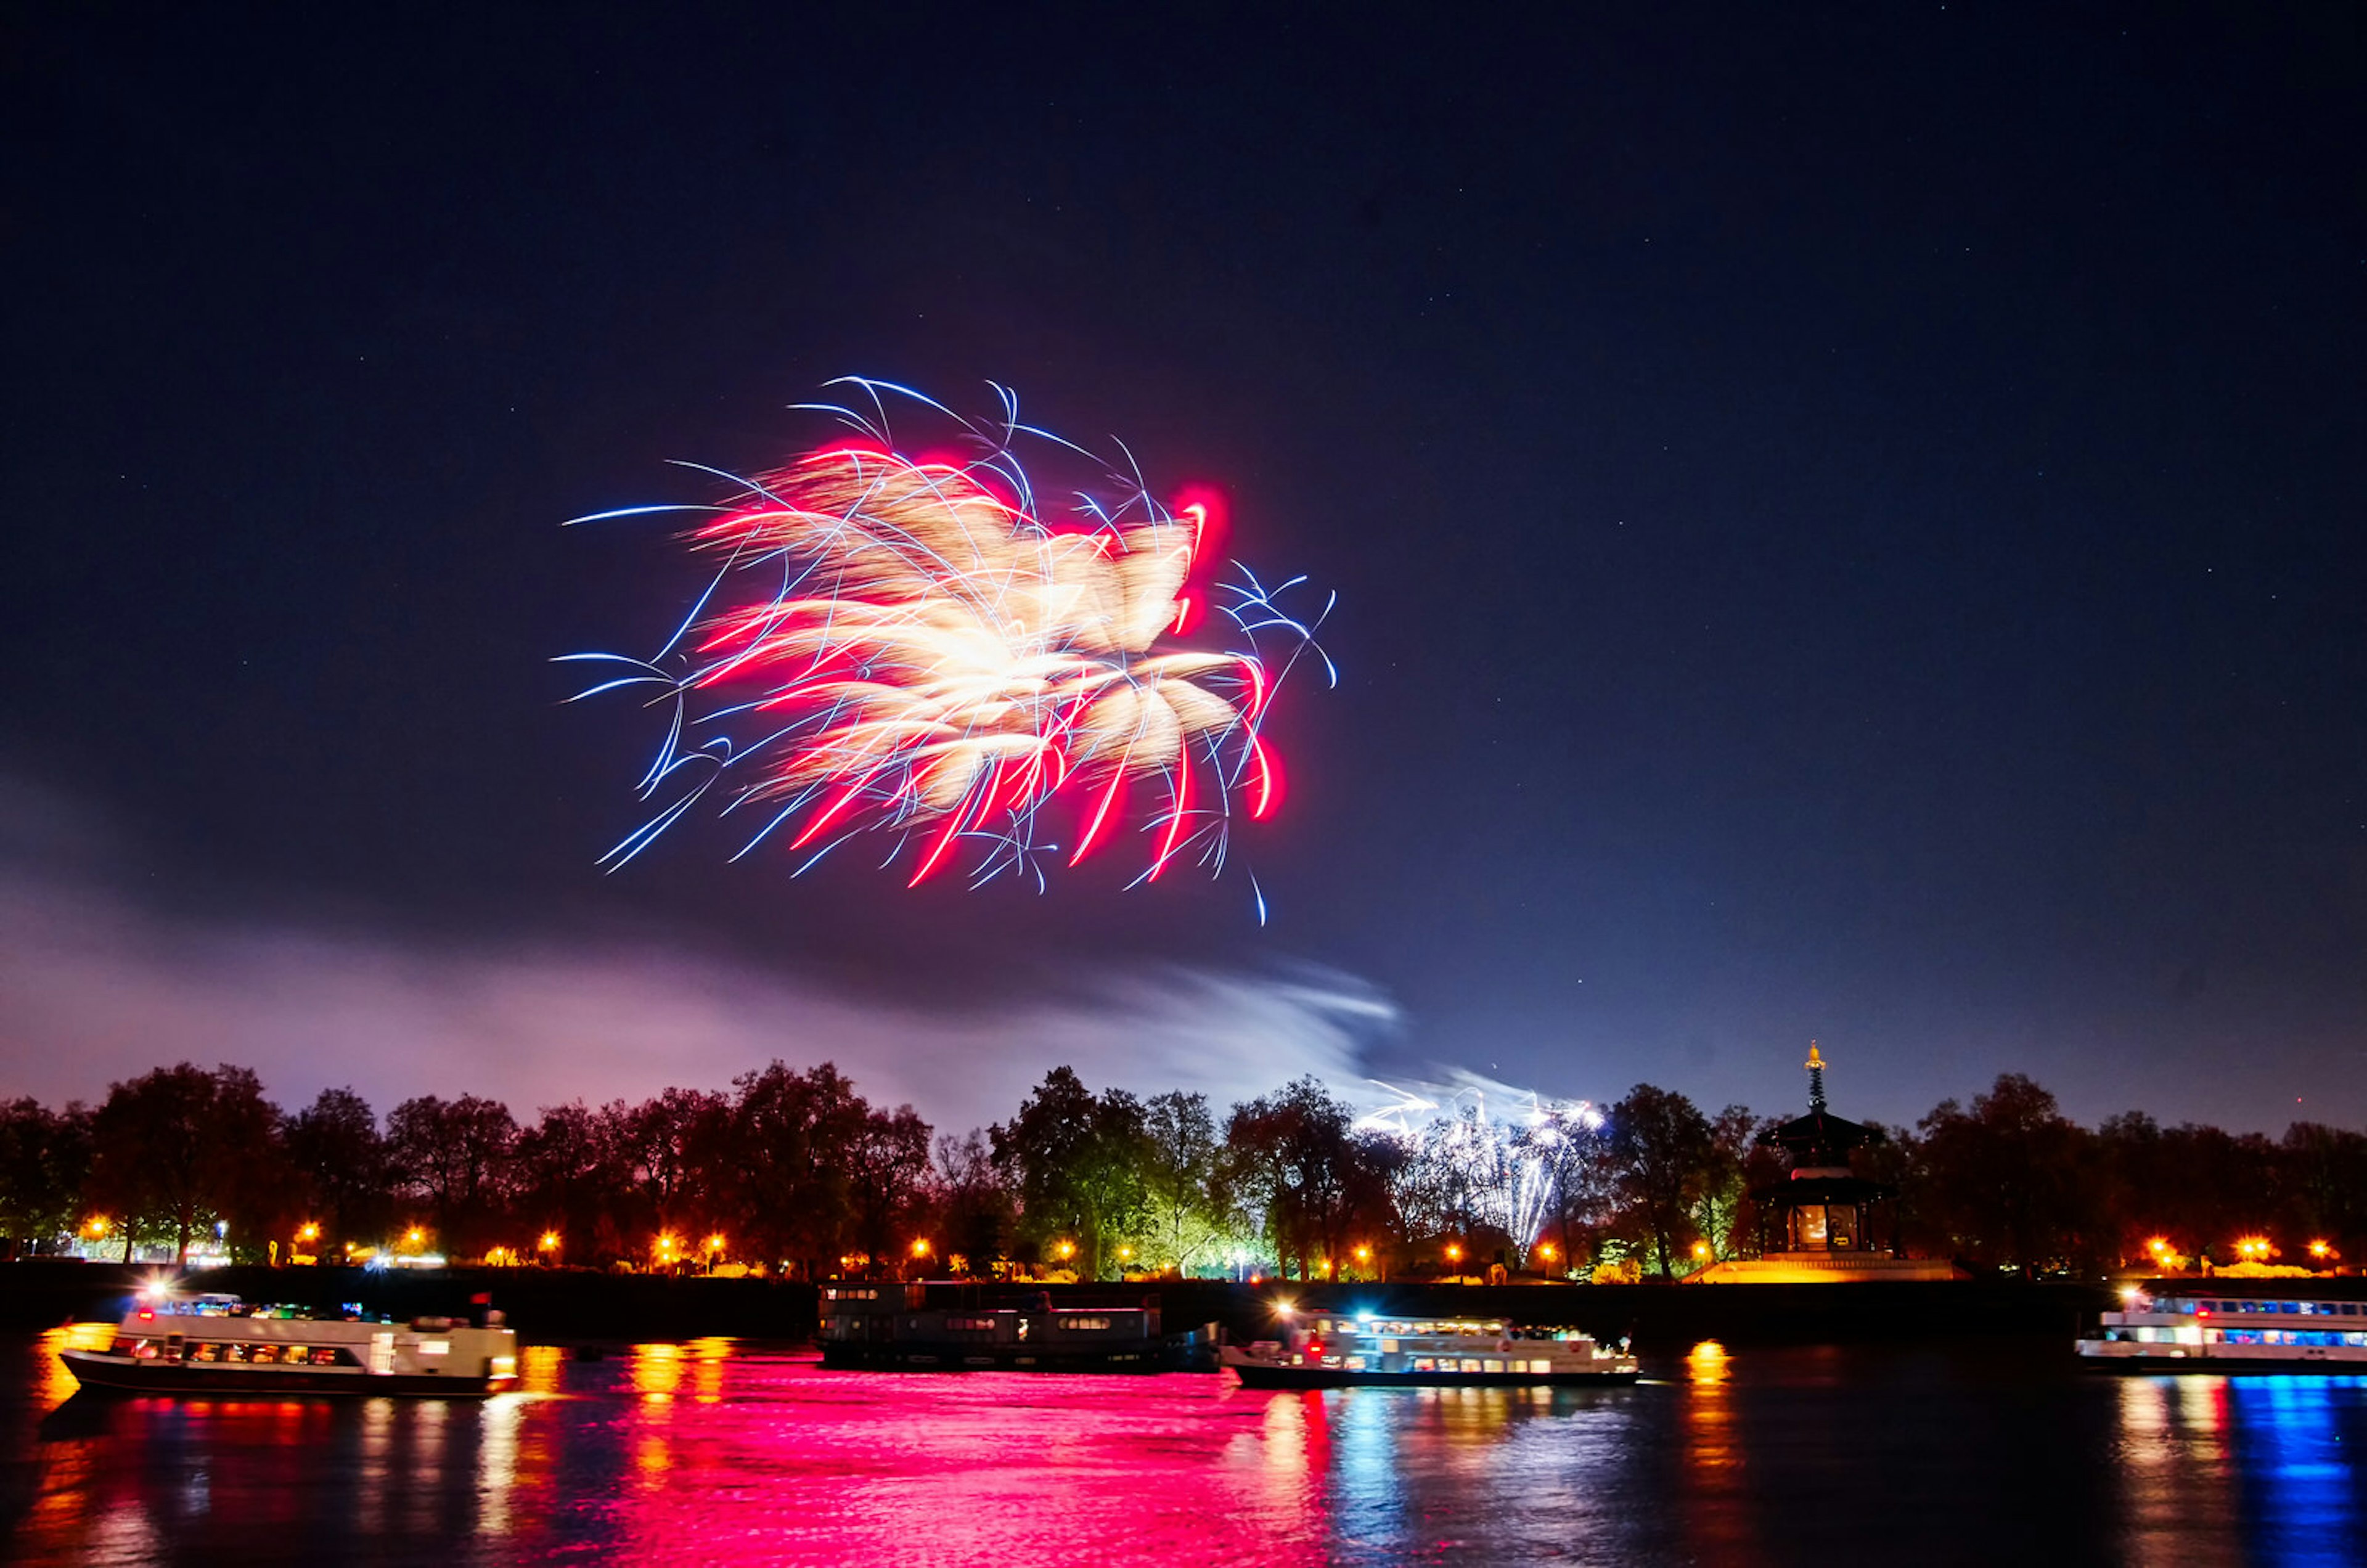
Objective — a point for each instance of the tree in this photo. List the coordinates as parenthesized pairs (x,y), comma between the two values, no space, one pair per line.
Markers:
(2007,1182)
(1662,1155)
(574,1167)
(971,1201)
(455,1154)
(44,1163)
(1718,1209)
(794,1135)
(180,1148)
(1078,1160)
(1184,1212)
(972,1204)
(685,1157)
(2324,1171)
(1294,1158)
(887,1165)
(335,1149)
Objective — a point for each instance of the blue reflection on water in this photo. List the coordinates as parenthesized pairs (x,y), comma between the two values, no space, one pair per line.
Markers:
(2300,1438)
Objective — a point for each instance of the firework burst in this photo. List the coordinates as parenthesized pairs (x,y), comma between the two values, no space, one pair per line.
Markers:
(916,647)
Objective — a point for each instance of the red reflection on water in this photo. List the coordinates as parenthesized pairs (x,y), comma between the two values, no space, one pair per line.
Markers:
(697,1453)
(854,1467)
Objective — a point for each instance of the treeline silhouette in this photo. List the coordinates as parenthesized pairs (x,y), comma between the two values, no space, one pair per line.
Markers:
(793,1171)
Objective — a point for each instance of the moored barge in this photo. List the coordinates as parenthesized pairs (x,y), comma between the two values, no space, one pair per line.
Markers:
(892,1327)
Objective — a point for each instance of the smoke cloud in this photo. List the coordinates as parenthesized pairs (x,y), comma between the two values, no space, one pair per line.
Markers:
(96,986)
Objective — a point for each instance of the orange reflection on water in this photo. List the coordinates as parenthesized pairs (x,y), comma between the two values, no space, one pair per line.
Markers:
(657,1370)
(57,1384)
(1712,1467)
(540,1369)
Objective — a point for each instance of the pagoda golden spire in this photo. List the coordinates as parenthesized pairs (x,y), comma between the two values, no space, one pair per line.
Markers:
(1815,1064)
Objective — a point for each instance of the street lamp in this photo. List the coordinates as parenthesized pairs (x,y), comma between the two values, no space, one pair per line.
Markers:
(1700,1251)
(549,1241)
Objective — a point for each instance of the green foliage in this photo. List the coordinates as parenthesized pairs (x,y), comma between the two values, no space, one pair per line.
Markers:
(1078,1166)
(796,1165)
(1186,1213)
(1664,1161)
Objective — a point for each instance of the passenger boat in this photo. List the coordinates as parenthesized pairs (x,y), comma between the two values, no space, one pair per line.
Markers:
(1333,1350)
(2223,1328)
(891,1326)
(219,1345)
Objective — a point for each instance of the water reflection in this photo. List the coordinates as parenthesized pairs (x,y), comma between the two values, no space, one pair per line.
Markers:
(2245,1469)
(683,1453)
(1719,1522)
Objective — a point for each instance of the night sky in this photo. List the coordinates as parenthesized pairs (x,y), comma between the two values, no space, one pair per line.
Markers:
(1847,524)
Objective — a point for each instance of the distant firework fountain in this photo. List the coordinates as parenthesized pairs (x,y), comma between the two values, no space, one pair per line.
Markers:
(917,648)
(1464,1164)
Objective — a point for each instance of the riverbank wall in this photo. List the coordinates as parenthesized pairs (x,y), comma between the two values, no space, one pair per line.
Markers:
(561,1305)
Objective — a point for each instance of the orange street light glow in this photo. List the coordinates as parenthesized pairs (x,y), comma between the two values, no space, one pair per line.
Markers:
(550,1241)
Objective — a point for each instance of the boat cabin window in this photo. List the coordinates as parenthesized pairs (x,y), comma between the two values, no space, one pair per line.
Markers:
(1085,1323)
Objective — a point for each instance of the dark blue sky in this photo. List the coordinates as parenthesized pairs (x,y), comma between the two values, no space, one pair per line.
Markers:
(1846,522)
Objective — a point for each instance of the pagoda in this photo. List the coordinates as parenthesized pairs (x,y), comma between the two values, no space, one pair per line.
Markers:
(1827,1209)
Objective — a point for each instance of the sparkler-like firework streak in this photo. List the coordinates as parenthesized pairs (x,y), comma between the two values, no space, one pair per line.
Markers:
(912,646)
(1467,1164)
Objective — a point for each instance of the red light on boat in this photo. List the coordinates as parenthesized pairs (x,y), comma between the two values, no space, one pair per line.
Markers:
(147,1312)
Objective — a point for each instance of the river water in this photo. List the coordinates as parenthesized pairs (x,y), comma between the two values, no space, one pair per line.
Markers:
(717,1451)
